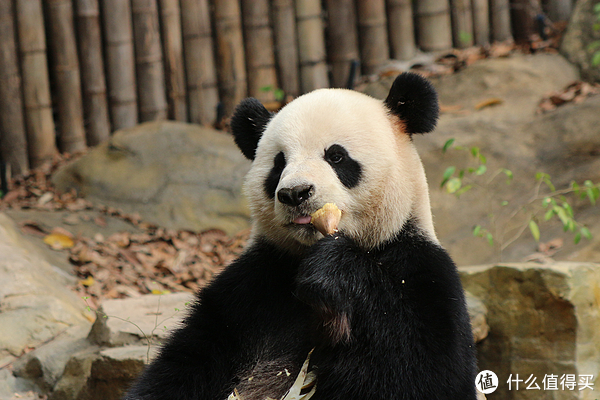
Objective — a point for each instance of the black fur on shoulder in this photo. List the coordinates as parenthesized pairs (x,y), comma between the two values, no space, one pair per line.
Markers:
(414,100)
(247,124)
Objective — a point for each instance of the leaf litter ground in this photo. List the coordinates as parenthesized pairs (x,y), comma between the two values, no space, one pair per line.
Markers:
(150,259)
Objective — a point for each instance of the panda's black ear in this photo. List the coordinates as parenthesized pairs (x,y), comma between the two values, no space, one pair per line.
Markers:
(247,124)
(414,100)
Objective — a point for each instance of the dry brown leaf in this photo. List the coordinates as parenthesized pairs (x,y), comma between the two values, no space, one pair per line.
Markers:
(488,103)
(58,241)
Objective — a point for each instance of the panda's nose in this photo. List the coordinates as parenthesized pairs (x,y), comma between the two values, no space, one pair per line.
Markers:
(296,195)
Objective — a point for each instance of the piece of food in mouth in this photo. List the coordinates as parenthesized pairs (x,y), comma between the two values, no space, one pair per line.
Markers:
(326,219)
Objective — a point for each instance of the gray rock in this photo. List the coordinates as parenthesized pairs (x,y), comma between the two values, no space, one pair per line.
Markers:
(139,319)
(579,35)
(478,314)
(45,365)
(12,387)
(101,375)
(35,304)
(543,320)
(176,175)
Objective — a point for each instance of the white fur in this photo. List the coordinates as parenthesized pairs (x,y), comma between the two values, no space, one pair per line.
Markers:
(393,186)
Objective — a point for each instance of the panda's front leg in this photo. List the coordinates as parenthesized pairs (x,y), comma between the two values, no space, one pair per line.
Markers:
(331,278)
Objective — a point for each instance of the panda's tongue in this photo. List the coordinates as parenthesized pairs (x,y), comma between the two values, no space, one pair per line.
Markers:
(305,219)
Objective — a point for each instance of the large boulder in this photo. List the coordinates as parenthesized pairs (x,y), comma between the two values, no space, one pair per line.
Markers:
(579,37)
(176,175)
(35,302)
(542,321)
(36,308)
(146,319)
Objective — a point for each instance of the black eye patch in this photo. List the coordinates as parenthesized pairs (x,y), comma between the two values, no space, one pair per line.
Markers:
(272,180)
(346,168)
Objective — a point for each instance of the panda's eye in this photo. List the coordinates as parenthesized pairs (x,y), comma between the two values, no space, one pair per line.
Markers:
(335,154)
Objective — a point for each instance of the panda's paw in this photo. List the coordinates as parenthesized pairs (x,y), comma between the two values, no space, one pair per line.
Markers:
(325,285)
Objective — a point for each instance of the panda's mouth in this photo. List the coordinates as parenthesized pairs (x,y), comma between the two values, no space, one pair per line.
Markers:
(302,220)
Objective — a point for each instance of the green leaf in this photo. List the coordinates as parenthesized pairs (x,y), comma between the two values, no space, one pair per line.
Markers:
(586,233)
(575,188)
(596,26)
(448,144)
(568,209)
(596,59)
(481,170)
(476,230)
(577,238)
(464,189)
(509,175)
(562,215)
(453,185)
(546,201)
(267,88)
(504,203)
(549,214)
(279,94)
(594,45)
(535,230)
(597,8)
(591,195)
(475,151)
(548,183)
(490,238)
(465,37)
(447,175)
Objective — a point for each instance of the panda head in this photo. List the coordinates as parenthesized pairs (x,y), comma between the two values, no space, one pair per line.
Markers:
(343,147)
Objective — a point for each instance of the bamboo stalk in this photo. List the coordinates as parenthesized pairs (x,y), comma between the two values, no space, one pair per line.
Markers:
(433,25)
(152,101)
(170,15)
(201,72)
(13,137)
(286,45)
(93,80)
(401,29)
(36,84)
(311,45)
(120,65)
(231,65)
(65,72)
(523,14)
(462,23)
(372,28)
(342,40)
(500,17)
(258,43)
(481,22)
(559,10)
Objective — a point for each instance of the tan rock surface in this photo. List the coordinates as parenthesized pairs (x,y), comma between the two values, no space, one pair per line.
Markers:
(543,320)
(176,175)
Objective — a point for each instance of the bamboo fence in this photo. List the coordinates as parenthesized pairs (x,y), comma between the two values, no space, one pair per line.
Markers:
(13,140)
(93,78)
(120,65)
(74,71)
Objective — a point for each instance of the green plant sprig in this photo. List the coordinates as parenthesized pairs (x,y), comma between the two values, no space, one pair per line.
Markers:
(594,46)
(553,202)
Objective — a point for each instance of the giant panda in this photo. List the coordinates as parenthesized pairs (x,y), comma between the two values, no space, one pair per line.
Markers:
(379,302)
